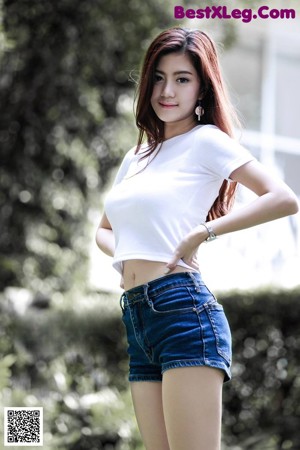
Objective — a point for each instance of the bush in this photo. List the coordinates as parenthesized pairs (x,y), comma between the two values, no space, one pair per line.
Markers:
(72,361)
(262,402)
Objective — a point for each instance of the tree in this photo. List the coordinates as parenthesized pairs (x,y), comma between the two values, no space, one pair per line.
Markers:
(65,74)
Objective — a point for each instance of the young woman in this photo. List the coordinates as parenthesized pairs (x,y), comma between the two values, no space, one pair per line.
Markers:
(171,194)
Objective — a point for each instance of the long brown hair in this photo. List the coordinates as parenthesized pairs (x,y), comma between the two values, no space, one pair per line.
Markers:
(217,107)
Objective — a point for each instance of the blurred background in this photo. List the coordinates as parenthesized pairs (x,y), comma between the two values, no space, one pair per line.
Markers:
(67,82)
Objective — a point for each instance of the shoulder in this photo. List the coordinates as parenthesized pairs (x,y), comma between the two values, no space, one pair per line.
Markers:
(129,155)
(128,158)
(219,152)
(134,154)
(211,134)
(125,164)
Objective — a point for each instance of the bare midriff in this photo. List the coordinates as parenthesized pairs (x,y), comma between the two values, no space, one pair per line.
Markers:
(138,271)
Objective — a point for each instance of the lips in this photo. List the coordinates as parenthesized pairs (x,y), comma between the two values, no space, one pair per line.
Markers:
(167,105)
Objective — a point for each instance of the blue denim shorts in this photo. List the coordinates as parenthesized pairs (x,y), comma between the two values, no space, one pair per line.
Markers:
(174,321)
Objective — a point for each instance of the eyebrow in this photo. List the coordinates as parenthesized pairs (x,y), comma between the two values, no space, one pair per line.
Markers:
(176,73)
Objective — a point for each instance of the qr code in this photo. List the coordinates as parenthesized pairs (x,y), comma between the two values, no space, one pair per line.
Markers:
(23,426)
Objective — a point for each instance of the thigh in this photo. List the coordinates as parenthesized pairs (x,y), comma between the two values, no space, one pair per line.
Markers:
(147,402)
(192,402)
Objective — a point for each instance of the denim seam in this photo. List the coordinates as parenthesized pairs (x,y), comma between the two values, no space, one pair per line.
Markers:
(195,282)
(133,378)
(138,340)
(219,350)
(181,363)
(156,292)
(197,363)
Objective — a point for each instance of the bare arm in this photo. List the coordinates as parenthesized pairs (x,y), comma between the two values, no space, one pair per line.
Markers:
(275,199)
(105,237)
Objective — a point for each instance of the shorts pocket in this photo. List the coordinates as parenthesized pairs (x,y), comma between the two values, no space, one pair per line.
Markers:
(176,300)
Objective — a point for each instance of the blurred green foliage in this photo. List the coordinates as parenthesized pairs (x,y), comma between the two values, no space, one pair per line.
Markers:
(65,103)
(262,404)
(67,77)
(73,362)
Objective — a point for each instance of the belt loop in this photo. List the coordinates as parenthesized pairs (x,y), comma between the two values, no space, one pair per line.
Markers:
(195,281)
(122,303)
(146,288)
(146,297)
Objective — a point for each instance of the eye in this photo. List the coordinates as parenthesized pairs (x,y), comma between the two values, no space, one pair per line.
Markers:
(182,80)
(157,78)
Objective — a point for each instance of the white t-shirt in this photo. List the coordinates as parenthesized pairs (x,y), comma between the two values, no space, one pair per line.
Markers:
(153,205)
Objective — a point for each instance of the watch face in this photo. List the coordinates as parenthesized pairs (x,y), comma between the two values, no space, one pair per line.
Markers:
(211,236)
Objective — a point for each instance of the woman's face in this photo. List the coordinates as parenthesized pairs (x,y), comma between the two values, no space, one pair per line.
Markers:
(175,92)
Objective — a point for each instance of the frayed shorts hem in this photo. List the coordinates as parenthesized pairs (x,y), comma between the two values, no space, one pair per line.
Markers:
(181,364)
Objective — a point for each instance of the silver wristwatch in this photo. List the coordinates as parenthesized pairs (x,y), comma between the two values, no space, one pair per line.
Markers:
(211,234)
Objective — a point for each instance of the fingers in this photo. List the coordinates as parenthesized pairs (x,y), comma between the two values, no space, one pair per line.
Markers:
(170,266)
(175,261)
(190,261)
(187,252)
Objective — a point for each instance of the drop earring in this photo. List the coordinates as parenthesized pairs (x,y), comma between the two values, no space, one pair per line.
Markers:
(199,111)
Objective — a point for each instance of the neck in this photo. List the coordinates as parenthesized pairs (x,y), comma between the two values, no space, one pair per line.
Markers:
(174,129)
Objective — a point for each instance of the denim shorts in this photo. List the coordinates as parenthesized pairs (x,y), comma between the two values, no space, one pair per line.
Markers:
(174,321)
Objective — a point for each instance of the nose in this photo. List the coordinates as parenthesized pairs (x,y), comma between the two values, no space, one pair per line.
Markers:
(167,90)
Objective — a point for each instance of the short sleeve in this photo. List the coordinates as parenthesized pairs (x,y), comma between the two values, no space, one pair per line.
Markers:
(219,153)
(123,169)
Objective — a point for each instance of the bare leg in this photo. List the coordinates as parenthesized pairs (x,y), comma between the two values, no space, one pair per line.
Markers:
(192,402)
(147,401)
